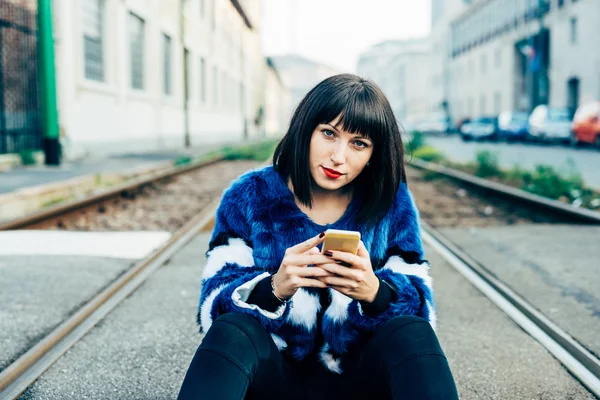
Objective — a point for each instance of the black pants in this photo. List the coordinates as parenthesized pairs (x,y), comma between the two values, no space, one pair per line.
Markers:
(239,360)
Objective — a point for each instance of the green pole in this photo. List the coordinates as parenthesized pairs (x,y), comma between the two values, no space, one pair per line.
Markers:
(47,74)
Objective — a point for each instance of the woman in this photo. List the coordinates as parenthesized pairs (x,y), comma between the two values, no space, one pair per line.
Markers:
(283,321)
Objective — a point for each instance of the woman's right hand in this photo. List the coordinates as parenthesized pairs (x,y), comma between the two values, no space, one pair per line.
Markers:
(294,272)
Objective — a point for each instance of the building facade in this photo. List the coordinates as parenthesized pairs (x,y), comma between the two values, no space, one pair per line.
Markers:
(153,74)
(277,102)
(401,69)
(516,54)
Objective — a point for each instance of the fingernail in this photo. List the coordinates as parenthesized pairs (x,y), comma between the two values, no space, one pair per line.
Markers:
(321,235)
(328,253)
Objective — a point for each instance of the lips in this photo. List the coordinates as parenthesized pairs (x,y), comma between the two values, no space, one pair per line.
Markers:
(331,173)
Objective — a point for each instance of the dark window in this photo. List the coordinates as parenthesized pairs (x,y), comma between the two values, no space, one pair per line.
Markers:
(202,80)
(573,30)
(167,64)
(136,50)
(561,3)
(93,30)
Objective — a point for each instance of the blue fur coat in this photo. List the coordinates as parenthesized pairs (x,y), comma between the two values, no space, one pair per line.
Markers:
(255,223)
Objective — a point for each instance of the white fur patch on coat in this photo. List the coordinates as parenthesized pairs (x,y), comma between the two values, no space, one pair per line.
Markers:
(328,360)
(304,310)
(397,264)
(205,318)
(338,309)
(236,251)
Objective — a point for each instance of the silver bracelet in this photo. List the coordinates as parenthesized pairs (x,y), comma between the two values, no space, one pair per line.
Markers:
(273,290)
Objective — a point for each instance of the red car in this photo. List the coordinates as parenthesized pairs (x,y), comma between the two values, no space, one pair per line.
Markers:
(586,124)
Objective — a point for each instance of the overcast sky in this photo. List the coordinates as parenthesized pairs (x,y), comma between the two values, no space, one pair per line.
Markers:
(335,32)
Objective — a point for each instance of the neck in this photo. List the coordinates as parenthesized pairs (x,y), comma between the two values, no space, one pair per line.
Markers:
(322,197)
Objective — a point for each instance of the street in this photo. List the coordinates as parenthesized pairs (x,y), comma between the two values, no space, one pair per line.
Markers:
(586,160)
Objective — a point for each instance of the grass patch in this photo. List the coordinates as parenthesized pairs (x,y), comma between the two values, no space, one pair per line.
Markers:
(428,153)
(259,151)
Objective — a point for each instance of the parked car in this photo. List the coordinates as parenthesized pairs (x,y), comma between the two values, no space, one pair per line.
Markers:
(550,124)
(513,125)
(435,123)
(586,124)
(480,128)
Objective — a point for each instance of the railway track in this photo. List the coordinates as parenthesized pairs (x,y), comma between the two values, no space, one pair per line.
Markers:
(26,369)
(578,360)
(53,216)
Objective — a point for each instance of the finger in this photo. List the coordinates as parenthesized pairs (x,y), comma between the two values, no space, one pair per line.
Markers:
(307,282)
(306,245)
(339,270)
(338,281)
(302,260)
(314,250)
(309,272)
(354,260)
(362,251)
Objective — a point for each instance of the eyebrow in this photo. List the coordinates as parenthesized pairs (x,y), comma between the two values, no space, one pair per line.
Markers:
(355,134)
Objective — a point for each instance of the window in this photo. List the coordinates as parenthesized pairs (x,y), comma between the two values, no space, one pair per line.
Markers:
(93,29)
(561,3)
(573,30)
(167,82)
(202,10)
(483,63)
(215,85)
(202,80)
(136,50)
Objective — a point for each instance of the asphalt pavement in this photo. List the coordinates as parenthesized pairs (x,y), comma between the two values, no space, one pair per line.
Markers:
(142,350)
(586,160)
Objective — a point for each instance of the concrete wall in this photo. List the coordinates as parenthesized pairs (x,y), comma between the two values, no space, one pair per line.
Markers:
(111,116)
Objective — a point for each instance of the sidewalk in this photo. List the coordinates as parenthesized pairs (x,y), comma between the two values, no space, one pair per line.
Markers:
(35,175)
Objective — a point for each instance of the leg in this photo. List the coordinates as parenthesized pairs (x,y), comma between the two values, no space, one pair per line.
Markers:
(233,360)
(405,357)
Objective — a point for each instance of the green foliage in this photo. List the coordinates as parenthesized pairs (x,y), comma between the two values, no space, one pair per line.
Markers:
(546,181)
(486,164)
(428,153)
(27,157)
(416,142)
(259,151)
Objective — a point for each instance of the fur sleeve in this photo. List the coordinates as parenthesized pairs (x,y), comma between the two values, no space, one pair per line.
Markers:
(403,267)
(230,273)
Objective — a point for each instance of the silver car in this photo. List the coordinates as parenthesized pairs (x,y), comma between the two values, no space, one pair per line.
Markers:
(550,124)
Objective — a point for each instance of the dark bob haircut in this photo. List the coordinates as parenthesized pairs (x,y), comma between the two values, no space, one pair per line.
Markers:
(364,109)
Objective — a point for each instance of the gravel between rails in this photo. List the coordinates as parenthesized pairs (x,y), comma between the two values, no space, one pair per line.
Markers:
(444,203)
(163,206)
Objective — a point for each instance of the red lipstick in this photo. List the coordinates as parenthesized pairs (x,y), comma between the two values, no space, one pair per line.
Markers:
(331,173)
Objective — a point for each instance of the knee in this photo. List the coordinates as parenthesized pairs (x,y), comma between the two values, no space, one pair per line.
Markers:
(407,334)
(239,334)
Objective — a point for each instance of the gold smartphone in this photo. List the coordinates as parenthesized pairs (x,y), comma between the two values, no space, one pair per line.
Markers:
(340,240)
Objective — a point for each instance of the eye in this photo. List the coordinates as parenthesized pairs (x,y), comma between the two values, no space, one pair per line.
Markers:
(328,133)
(361,145)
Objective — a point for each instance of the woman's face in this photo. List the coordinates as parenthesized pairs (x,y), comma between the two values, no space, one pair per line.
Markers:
(337,157)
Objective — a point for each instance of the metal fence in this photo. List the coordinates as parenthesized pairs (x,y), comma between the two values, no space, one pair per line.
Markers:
(20,119)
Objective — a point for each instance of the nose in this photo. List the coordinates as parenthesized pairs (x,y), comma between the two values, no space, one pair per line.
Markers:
(338,153)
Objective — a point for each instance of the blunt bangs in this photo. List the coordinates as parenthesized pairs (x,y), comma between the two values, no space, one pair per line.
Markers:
(362,109)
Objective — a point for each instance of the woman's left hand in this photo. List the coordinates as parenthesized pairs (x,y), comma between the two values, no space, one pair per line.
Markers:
(357,280)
